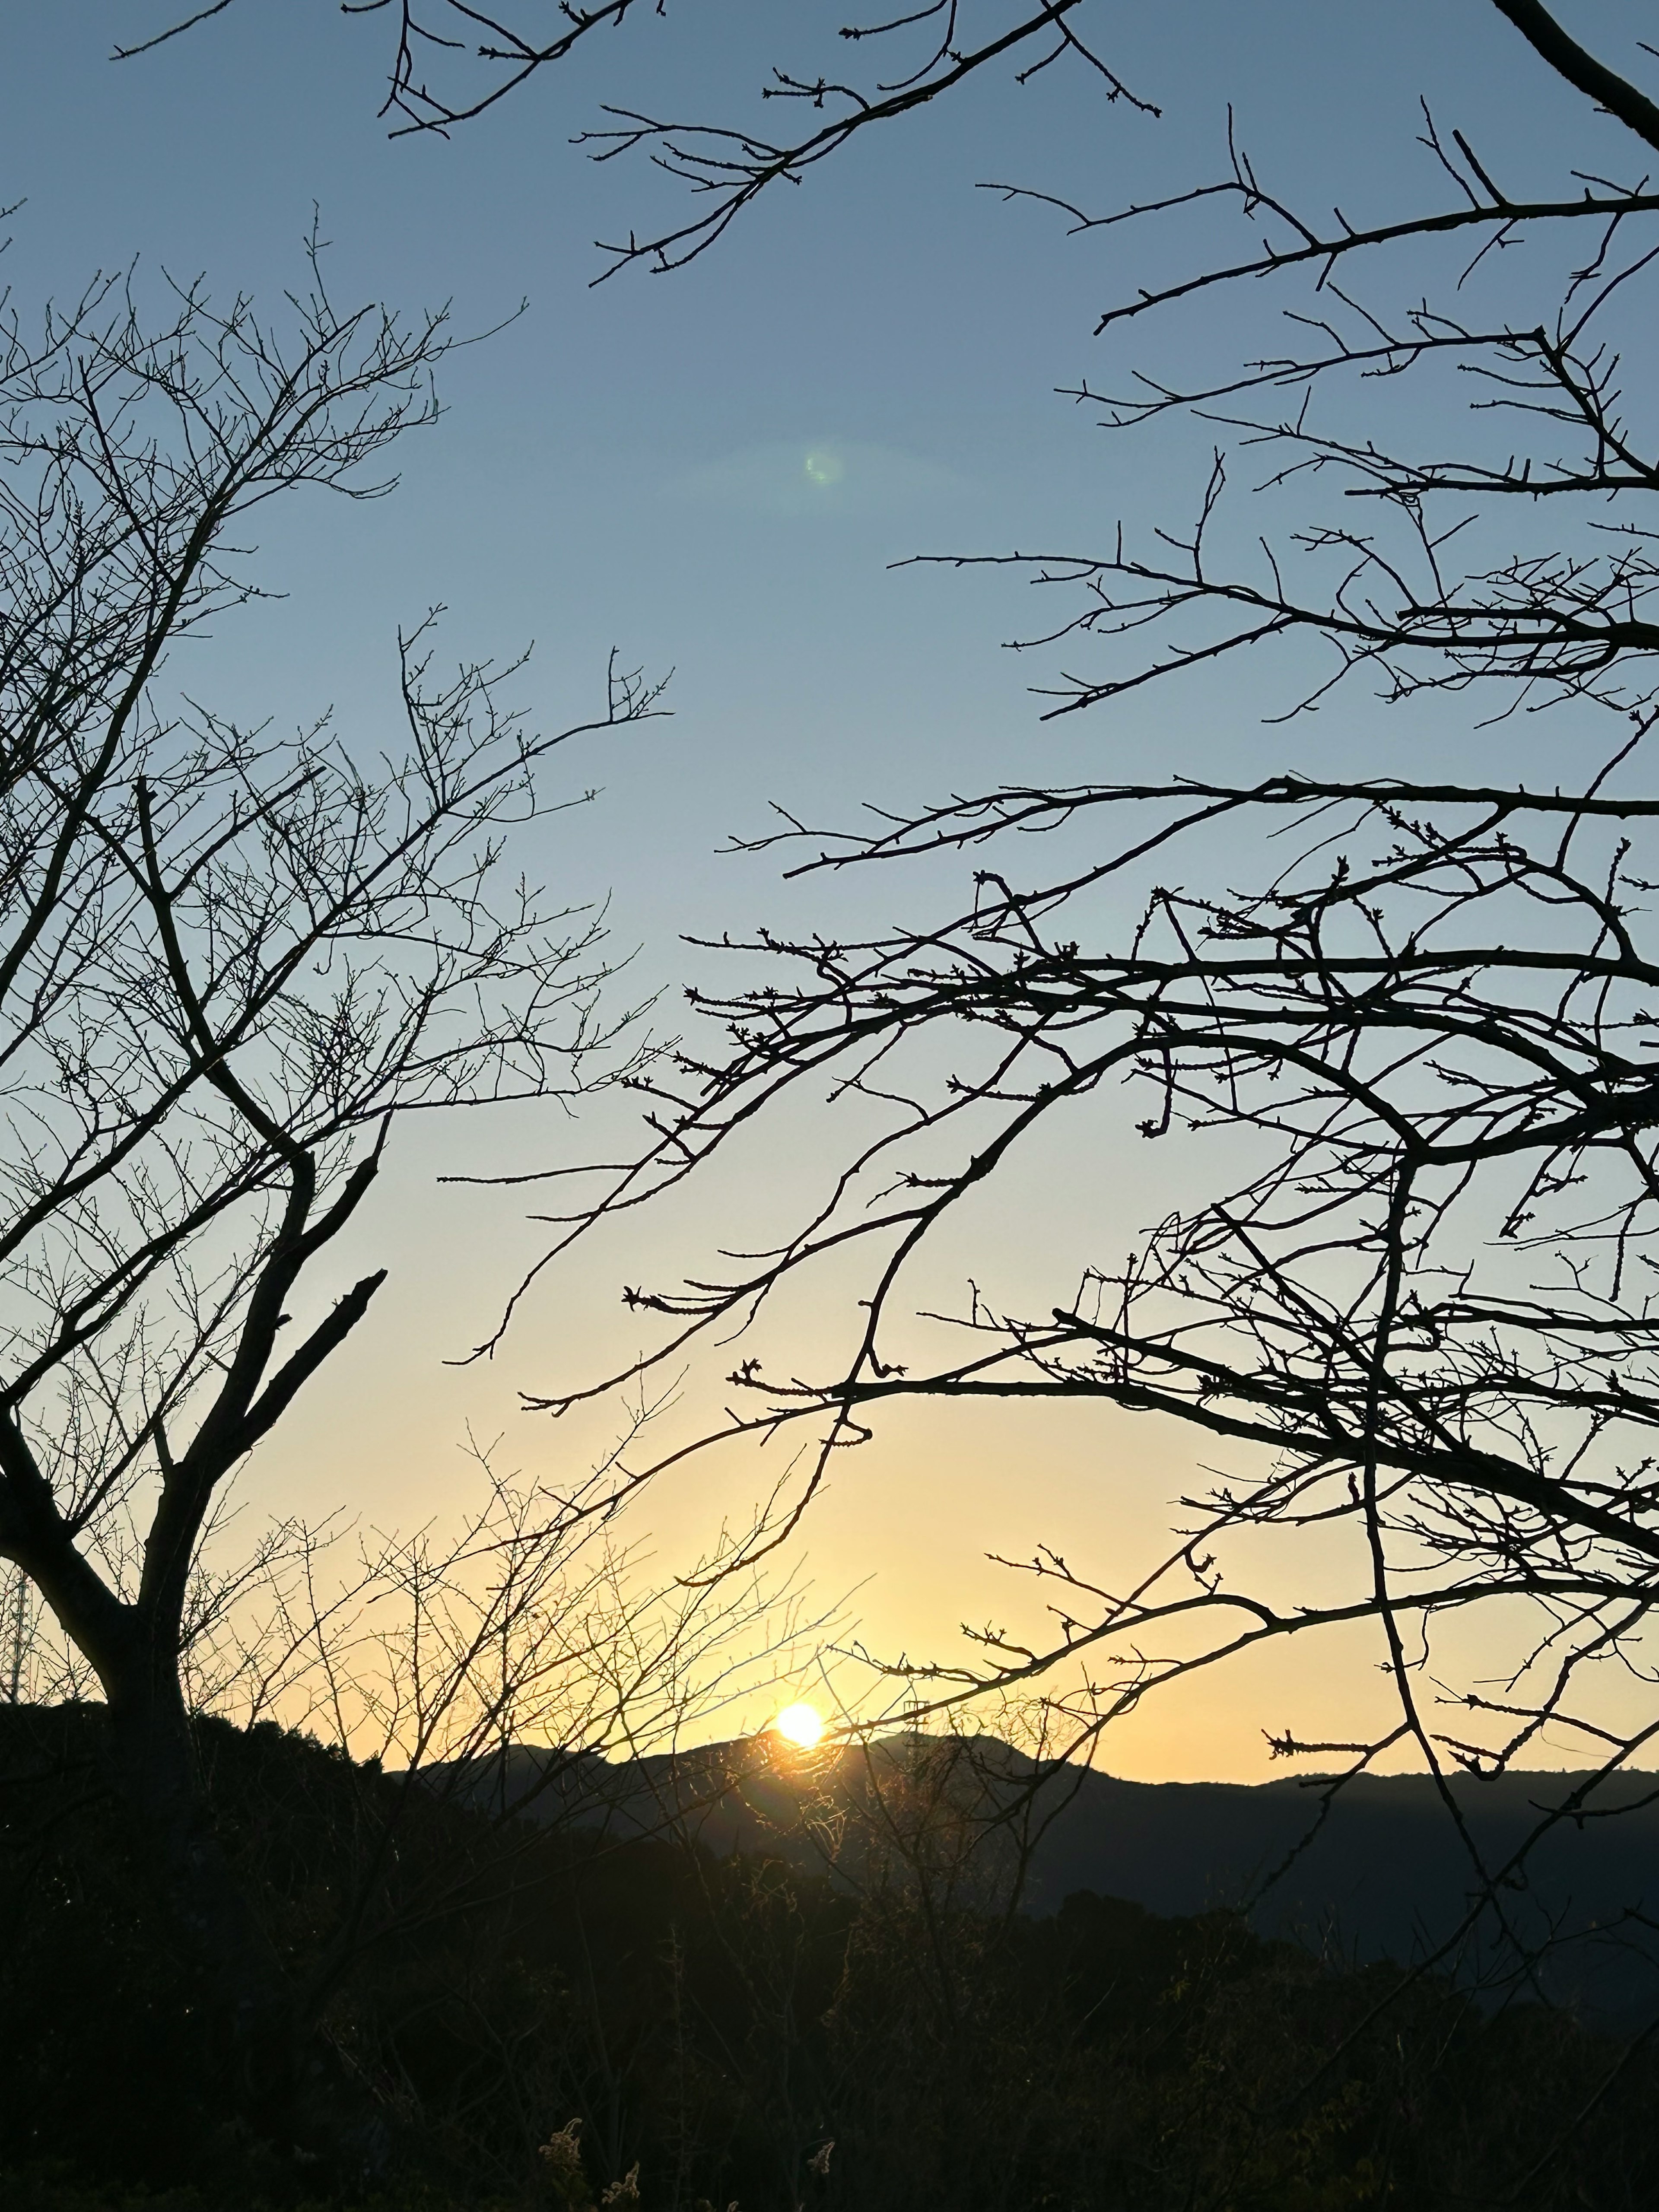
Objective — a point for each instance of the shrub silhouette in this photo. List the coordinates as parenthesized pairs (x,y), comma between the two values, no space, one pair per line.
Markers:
(549,2020)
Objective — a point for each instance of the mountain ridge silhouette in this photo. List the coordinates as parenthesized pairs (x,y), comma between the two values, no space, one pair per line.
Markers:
(1376,1867)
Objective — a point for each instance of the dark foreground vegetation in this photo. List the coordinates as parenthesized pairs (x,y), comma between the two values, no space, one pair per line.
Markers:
(734,2029)
(1395,1260)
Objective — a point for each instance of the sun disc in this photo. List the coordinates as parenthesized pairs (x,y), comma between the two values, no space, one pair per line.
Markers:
(801,1725)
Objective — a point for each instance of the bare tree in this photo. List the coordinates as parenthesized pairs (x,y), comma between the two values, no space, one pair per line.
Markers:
(1399,1026)
(228,962)
(451,62)
(1403,1044)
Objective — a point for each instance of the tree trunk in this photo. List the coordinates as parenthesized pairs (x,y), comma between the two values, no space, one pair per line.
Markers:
(154,1770)
(288,2082)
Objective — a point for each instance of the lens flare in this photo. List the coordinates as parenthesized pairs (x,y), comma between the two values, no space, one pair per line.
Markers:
(801,1725)
(824,467)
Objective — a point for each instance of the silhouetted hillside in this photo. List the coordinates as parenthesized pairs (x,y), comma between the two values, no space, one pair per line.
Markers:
(1382,1872)
(806,1990)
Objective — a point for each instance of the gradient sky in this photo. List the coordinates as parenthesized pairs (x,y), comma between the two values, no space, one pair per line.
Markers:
(627,465)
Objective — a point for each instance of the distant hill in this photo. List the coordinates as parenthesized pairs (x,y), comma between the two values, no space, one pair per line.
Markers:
(713,2021)
(1384,1874)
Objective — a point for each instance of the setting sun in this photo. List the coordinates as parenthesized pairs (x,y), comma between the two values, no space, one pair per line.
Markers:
(801,1725)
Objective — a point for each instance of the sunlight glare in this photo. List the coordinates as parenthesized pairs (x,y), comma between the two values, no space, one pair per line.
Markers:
(801,1725)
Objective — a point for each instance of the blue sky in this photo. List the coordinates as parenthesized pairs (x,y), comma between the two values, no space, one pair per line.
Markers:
(713,471)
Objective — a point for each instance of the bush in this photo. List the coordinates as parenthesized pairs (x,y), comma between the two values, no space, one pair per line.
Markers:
(550,2022)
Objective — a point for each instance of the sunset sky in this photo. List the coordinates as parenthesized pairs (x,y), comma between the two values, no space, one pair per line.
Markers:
(712,471)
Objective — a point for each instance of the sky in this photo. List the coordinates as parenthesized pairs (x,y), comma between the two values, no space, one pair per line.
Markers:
(712,472)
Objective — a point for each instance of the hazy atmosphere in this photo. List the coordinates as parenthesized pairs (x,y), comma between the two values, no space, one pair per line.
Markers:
(632,465)
(825,1018)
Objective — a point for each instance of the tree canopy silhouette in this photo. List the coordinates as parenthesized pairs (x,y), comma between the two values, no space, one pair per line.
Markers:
(229,962)
(1399,1026)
